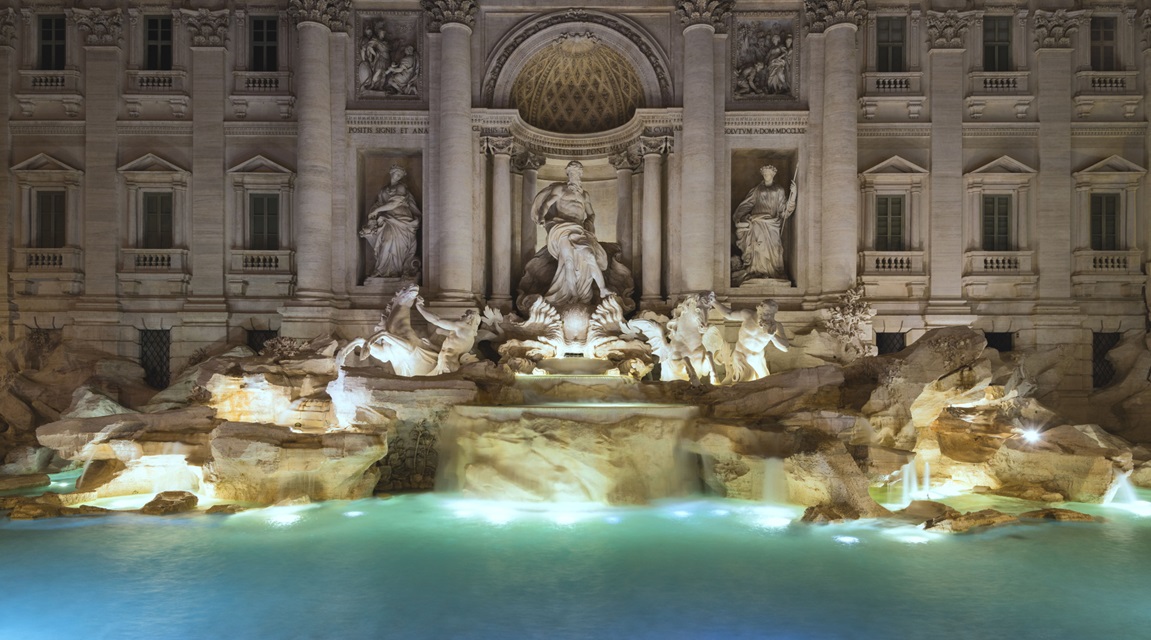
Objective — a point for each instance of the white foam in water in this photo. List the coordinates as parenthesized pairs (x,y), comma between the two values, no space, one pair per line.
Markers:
(910,487)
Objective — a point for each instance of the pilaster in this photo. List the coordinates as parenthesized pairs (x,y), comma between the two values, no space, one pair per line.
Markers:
(652,149)
(946,38)
(528,164)
(501,149)
(8,31)
(625,163)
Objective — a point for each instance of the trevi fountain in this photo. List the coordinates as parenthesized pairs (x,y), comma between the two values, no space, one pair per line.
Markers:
(580,458)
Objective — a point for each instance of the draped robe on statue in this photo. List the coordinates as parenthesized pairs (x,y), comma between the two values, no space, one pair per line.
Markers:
(759,221)
(392,229)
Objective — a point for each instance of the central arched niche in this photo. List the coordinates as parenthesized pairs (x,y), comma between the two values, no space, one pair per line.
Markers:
(577,84)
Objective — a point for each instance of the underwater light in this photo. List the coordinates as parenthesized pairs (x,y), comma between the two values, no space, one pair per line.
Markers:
(681,513)
(1031,436)
(847,540)
(284,519)
(354,514)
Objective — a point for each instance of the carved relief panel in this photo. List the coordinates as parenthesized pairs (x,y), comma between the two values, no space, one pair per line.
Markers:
(389,55)
(764,58)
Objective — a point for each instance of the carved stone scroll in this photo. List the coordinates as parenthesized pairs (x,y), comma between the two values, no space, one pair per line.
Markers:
(441,12)
(206,28)
(334,14)
(822,14)
(946,30)
(1054,30)
(100,27)
(709,12)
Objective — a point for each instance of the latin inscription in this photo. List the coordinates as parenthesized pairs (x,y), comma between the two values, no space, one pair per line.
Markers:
(389,130)
(763,130)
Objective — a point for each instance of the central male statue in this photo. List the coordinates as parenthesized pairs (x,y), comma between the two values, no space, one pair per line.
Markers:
(573,270)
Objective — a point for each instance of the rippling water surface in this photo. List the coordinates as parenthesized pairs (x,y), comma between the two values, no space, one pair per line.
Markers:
(436,567)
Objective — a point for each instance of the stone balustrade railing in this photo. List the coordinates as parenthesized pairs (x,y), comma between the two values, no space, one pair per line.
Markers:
(61,259)
(892,263)
(999,82)
(154,260)
(1108,262)
(999,262)
(902,83)
(250,261)
(36,81)
(1107,82)
(263,82)
(157,81)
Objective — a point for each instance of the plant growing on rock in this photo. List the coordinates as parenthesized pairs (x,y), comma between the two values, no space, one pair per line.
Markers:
(849,322)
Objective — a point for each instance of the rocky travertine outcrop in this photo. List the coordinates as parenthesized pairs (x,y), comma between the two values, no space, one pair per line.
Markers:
(169,502)
(975,520)
(29,481)
(825,474)
(267,464)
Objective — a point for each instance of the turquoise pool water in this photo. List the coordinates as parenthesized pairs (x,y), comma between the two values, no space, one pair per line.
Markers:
(430,566)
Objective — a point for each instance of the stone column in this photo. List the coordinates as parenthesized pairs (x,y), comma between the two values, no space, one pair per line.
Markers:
(946,32)
(451,228)
(8,30)
(840,228)
(651,226)
(701,20)
(1053,77)
(625,164)
(315,21)
(528,164)
(1145,239)
(501,149)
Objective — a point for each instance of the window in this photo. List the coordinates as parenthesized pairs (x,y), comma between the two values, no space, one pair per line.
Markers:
(997,43)
(890,35)
(997,223)
(1102,369)
(48,232)
(158,44)
(1103,44)
(157,221)
(890,342)
(1001,341)
(265,53)
(52,46)
(889,223)
(1105,221)
(264,221)
(155,353)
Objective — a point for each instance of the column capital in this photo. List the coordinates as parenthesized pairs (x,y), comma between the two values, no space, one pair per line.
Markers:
(709,12)
(206,28)
(528,161)
(1053,30)
(1145,24)
(626,160)
(498,145)
(654,145)
(333,14)
(8,27)
(101,28)
(441,12)
(946,29)
(822,14)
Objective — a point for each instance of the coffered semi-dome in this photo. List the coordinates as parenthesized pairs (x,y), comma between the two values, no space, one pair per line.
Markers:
(577,84)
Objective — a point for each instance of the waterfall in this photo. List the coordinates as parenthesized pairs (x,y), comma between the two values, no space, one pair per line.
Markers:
(1123,493)
(774,481)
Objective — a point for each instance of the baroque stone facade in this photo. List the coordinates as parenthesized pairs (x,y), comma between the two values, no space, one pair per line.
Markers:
(201,175)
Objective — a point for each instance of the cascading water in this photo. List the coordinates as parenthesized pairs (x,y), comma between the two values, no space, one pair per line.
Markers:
(1123,492)
(774,481)
(909,483)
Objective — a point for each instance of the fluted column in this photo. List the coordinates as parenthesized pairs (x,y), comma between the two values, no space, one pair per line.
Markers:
(528,164)
(651,230)
(946,32)
(501,149)
(315,21)
(1145,240)
(625,164)
(701,20)
(840,226)
(451,230)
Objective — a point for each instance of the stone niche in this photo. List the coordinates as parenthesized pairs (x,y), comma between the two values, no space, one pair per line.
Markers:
(745,165)
(374,174)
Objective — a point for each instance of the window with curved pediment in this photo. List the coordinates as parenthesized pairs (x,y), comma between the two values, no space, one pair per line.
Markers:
(577,84)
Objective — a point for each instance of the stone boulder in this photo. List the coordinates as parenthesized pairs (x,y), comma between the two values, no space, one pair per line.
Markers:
(828,514)
(1058,515)
(267,464)
(169,502)
(972,521)
(776,396)
(926,512)
(31,481)
(1081,462)
(823,473)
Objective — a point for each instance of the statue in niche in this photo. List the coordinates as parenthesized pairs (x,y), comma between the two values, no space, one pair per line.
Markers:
(409,353)
(392,229)
(573,272)
(763,62)
(378,71)
(757,330)
(759,222)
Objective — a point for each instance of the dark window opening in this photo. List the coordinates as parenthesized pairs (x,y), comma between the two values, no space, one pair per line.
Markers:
(1103,44)
(158,44)
(1001,341)
(52,43)
(49,220)
(258,337)
(264,221)
(889,43)
(889,223)
(265,52)
(1105,221)
(890,342)
(997,223)
(1102,369)
(997,43)
(155,355)
(157,221)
